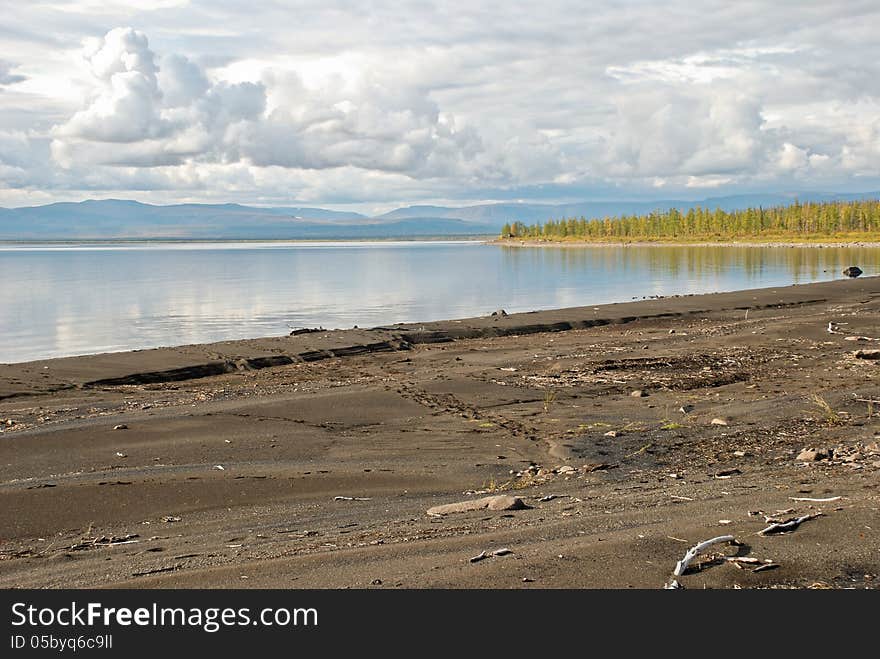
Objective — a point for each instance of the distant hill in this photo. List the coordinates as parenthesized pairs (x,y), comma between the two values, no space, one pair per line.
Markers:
(498,214)
(123,219)
(119,219)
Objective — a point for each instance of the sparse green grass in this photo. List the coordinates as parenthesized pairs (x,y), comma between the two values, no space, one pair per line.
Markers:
(641,450)
(667,424)
(549,399)
(527,479)
(823,407)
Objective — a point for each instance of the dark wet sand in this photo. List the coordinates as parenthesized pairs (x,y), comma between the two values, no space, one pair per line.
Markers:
(412,416)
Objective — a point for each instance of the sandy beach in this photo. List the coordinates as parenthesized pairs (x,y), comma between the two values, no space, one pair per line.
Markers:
(627,433)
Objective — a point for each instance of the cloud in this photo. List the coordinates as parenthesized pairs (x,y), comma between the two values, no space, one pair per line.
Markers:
(465,100)
(172,114)
(125,107)
(6,75)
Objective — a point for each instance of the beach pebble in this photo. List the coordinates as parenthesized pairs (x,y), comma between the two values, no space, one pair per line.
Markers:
(611,433)
(566,469)
(718,422)
(498,502)
(120,426)
(638,393)
(811,455)
(499,312)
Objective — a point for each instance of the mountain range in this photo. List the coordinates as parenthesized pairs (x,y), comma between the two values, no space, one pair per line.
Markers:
(124,219)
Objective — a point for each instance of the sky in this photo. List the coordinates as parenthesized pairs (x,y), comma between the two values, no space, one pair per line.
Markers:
(370,105)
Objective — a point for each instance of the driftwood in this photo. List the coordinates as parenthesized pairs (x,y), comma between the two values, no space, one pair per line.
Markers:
(695,551)
(813,500)
(785,527)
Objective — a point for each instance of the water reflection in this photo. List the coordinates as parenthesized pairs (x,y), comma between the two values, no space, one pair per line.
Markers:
(72,299)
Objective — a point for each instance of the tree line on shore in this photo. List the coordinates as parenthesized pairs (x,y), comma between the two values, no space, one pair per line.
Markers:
(803,221)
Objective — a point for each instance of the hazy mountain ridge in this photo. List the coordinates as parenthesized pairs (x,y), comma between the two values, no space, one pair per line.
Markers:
(121,219)
(510,212)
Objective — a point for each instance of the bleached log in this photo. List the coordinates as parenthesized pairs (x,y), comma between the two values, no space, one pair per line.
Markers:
(696,550)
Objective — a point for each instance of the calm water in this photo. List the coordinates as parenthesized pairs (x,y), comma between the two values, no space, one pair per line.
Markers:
(58,300)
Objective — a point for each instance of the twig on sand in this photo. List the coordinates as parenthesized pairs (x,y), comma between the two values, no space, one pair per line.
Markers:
(351,498)
(785,527)
(695,551)
(813,500)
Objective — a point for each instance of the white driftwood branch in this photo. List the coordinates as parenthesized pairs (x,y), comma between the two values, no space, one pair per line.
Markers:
(813,500)
(695,551)
(787,526)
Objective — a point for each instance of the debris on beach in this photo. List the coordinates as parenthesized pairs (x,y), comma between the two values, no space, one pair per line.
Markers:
(787,526)
(483,555)
(168,519)
(498,502)
(104,541)
(696,550)
(852,271)
(867,354)
(341,498)
(717,421)
(306,330)
(639,393)
(120,426)
(811,455)
(757,564)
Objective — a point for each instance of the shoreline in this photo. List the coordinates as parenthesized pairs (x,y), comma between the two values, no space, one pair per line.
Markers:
(628,433)
(193,361)
(512,242)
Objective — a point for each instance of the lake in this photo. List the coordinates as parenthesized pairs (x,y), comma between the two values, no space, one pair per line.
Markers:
(69,299)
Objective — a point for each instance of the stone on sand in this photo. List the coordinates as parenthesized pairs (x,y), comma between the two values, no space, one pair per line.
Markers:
(498,502)
(811,455)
